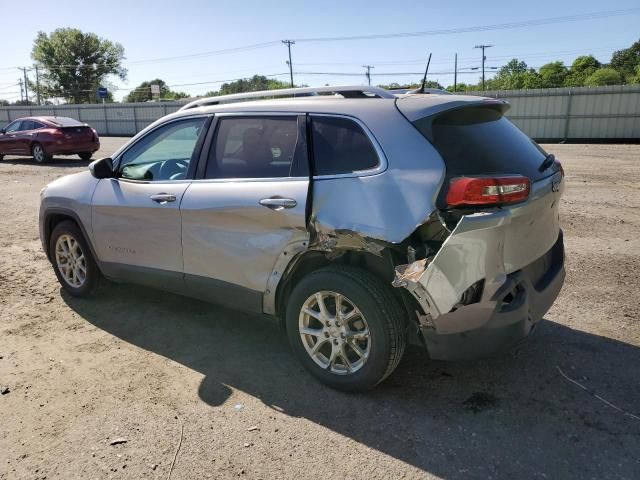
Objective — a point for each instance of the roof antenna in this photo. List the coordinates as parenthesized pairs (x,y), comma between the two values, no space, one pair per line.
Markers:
(424,79)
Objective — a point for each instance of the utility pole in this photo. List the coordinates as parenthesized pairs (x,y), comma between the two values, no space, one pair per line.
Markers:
(455,73)
(37,86)
(483,59)
(288,43)
(26,88)
(368,74)
(21,90)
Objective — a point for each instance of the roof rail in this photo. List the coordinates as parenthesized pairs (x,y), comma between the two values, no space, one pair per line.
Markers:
(347,91)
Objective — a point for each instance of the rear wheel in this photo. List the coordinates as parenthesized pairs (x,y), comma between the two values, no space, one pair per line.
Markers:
(345,326)
(85,156)
(39,154)
(72,260)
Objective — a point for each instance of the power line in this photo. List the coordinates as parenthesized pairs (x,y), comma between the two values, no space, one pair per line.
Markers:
(481,28)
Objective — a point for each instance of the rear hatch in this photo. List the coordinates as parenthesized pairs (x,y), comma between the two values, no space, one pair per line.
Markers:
(78,134)
(491,235)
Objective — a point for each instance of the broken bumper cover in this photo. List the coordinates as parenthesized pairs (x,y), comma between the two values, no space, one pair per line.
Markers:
(508,316)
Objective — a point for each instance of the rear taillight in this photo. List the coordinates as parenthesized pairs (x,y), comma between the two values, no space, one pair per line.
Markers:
(95,134)
(487,190)
(560,168)
(55,132)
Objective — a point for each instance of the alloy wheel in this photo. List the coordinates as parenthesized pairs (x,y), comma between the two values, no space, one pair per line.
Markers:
(38,153)
(334,333)
(71,261)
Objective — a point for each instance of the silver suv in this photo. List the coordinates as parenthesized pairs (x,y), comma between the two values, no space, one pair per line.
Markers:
(362,219)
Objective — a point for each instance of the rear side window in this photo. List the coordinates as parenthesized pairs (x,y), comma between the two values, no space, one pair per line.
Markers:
(341,146)
(256,147)
(479,141)
(30,125)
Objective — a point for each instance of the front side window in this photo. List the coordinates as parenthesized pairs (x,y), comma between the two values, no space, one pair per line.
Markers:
(255,147)
(341,146)
(28,125)
(13,127)
(163,154)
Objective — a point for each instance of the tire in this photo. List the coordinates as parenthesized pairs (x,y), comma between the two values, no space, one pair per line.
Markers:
(85,156)
(68,233)
(39,154)
(380,314)
(1,157)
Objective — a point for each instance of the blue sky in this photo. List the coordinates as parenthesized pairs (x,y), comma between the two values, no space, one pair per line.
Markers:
(158,29)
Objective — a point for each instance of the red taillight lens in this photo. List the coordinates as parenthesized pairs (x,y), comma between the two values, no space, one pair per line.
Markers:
(560,167)
(95,134)
(54,131)
(487,190)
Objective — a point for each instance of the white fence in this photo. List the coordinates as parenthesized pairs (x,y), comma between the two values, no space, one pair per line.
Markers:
(580,114)
(584,113)
(109,119)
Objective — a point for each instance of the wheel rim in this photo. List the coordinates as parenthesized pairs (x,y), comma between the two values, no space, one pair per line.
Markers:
(71,261)
(38,153)
(334,333)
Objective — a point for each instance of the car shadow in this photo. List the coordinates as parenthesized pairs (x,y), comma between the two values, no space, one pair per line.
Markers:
(70,161)
(512,416)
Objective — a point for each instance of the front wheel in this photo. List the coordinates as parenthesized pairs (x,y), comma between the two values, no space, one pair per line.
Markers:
(346,327)
(85,156)
(39,155)
(72,260)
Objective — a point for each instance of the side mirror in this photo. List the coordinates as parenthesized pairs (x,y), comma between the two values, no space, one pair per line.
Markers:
(102,168)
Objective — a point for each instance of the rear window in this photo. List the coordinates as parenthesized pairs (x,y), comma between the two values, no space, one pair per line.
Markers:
(340,146)
(481,141)
(65,122)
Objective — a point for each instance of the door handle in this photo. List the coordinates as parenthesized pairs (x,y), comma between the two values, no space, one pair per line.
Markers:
(277,204)
(163,198)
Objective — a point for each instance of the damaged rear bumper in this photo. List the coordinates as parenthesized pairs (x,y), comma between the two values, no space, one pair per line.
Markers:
(507,317)
(495,275)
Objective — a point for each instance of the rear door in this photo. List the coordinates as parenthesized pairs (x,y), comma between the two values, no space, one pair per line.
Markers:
(246,209)
(136,216)
(24,137)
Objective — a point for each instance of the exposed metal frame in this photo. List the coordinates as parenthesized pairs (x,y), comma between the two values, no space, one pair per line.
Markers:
(286,92)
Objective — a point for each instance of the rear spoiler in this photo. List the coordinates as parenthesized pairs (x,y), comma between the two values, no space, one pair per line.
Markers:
(429,114)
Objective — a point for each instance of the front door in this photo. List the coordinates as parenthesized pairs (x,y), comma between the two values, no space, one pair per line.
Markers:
(8,140)
(247,208)
(136,216)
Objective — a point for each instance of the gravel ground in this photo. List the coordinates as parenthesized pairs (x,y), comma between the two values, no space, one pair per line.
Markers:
(137,365)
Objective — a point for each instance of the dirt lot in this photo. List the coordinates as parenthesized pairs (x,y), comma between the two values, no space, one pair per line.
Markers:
(141,365)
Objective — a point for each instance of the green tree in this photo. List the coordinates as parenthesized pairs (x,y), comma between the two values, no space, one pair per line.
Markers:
(627,60)
(580,69)
(604,76)
(553,74)
(142,93)
(253,84)
(515,75)
(74,63)
(635,79)
(463,87)
(412,85)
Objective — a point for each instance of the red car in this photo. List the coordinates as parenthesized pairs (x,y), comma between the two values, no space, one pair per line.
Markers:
(44,137)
